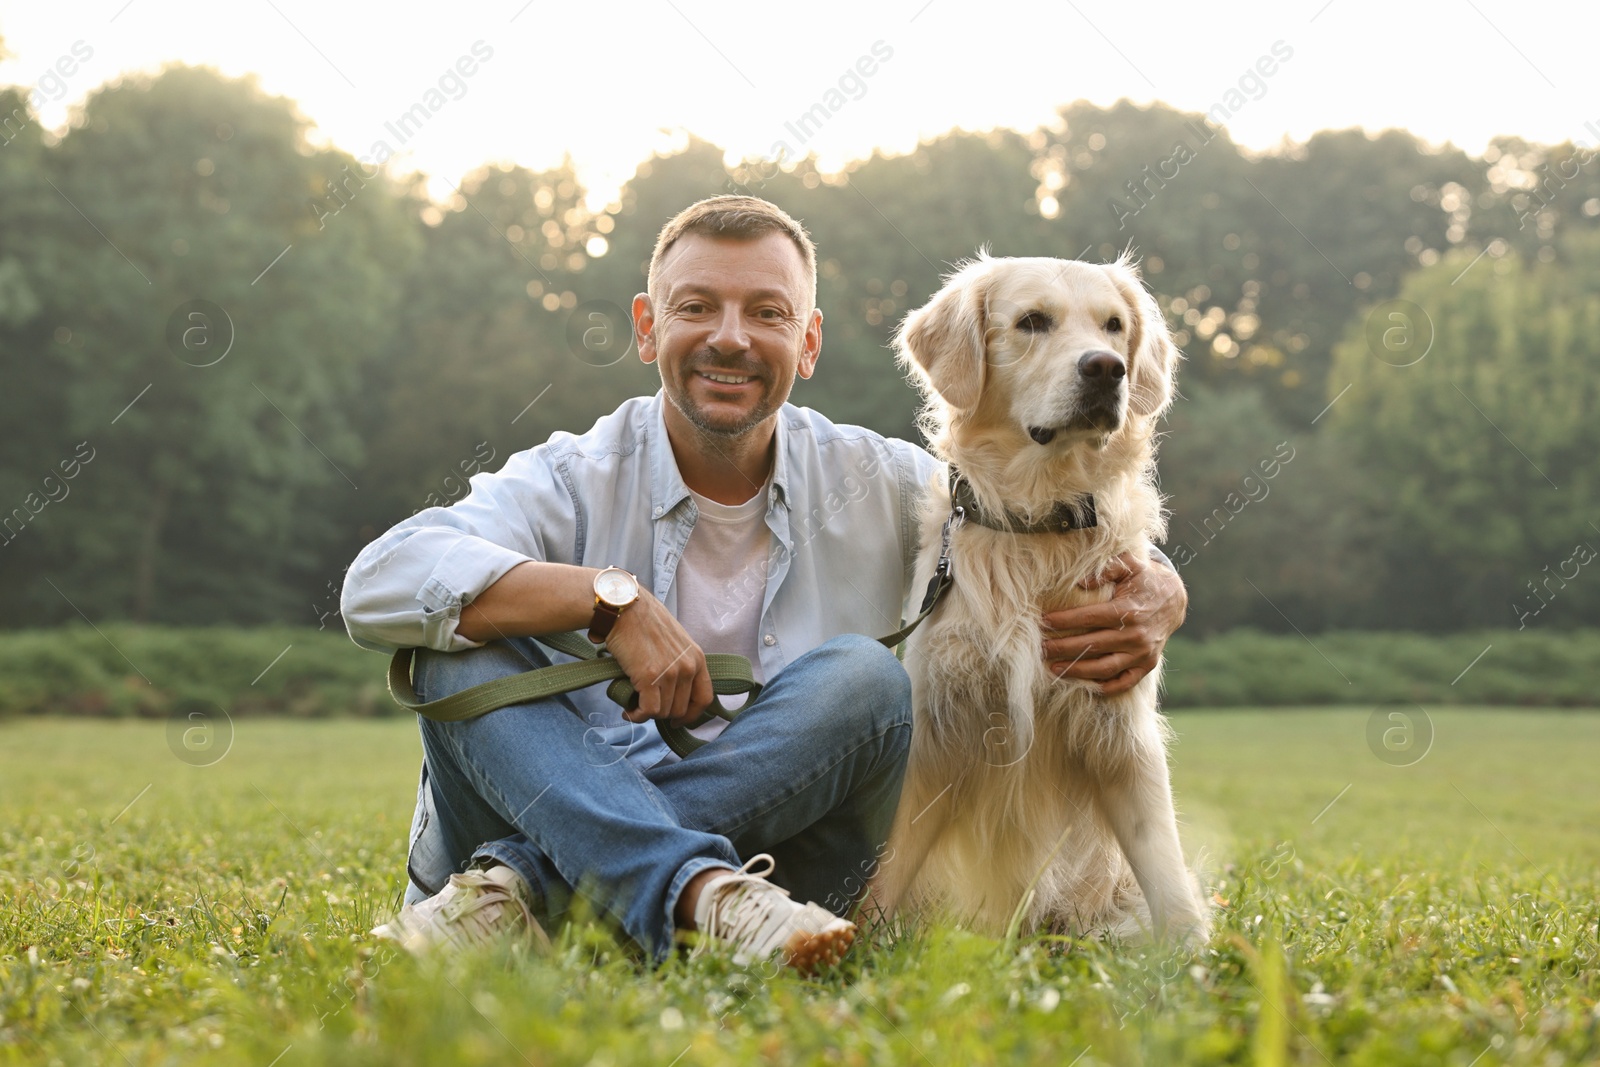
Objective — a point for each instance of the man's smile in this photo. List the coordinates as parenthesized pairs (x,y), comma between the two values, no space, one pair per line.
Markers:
(726,379)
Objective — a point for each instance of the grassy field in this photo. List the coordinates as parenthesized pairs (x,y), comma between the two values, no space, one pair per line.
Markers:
(153,911)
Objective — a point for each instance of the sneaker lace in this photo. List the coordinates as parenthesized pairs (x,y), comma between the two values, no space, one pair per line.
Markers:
(476,892)
(742,902)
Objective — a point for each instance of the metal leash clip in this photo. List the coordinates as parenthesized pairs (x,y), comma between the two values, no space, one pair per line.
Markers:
(944,570)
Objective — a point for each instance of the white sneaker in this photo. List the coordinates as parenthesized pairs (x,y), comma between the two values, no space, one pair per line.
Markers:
(476,908)
(759,920)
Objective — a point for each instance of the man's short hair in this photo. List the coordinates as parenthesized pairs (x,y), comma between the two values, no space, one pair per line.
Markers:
(738,218)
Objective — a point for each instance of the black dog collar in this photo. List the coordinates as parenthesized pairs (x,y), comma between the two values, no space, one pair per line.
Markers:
(1065,516)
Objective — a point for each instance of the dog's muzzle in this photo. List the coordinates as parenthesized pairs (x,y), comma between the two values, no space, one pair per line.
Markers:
(1098,408)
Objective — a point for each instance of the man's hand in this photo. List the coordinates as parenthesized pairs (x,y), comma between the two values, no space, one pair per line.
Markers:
(1121,640)
(664,665)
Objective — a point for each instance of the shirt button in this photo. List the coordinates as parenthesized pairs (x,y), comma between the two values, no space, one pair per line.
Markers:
(769,640)
(658,512)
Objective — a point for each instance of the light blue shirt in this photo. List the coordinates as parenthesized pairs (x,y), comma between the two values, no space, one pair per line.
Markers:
(843,513)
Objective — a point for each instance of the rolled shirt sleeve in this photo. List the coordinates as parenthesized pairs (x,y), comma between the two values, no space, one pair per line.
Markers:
(407,588)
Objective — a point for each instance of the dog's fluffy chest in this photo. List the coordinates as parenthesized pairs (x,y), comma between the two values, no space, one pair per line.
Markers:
(1011,579)
(979,661)
(991,624)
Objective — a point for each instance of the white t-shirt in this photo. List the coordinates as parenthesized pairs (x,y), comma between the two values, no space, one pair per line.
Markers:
(722,581)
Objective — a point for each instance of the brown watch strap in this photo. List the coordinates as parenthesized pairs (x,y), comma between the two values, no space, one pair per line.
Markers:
(605,617)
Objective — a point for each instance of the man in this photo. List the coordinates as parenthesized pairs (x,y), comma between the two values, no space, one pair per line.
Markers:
(712,516)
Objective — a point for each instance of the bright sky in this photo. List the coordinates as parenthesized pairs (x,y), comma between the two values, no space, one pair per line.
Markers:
(609,82)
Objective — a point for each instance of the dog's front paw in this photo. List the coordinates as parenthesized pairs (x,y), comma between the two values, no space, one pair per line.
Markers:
(1191,931)
(1186,928)
(1197,935)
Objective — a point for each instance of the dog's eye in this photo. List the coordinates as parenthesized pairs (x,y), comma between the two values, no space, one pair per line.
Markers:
(1114,324)
(1034,322)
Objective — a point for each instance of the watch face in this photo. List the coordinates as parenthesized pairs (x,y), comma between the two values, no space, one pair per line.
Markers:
(616,587)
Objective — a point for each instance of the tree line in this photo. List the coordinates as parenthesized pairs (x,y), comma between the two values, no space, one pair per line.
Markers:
(255,353)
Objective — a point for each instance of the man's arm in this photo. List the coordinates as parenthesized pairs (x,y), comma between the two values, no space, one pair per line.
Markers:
(408,587)
(530,599)
(1124,636)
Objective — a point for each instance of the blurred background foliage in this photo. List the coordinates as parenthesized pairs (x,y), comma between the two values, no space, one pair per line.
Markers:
(395,345)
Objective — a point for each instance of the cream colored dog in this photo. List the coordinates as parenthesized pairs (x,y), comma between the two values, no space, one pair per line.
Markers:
(1029,796)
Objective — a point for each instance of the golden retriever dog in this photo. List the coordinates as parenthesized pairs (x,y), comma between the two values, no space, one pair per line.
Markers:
(1031,800)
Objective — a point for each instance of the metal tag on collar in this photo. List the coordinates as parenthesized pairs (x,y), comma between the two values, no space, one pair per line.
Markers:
(1079,517)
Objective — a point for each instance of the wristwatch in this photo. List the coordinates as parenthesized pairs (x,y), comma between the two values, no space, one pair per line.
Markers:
(615,590)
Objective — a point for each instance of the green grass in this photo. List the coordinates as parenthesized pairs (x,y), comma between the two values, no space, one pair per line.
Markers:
(155,912)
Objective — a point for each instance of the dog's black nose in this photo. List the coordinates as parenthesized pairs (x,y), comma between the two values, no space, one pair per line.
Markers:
(1101,364)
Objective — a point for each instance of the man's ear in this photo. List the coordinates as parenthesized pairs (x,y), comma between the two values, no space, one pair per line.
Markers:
(644,327)
(942,342)
(1152,357)
(811,349)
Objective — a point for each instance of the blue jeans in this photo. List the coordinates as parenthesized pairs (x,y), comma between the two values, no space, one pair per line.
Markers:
(810,772)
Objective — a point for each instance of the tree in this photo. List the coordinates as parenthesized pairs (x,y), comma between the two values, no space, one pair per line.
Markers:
(1483,443)
(1270,526)
(489,358)
(33,404)
(213,435)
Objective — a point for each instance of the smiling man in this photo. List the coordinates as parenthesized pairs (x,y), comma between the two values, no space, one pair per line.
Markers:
(711,517)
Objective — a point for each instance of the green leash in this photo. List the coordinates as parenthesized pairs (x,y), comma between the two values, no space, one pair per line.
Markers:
(730,675)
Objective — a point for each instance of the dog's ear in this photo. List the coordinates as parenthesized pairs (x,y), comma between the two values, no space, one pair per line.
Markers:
(944,341)
(1152,357)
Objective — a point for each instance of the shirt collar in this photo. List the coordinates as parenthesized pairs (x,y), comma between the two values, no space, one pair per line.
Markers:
(667,488)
